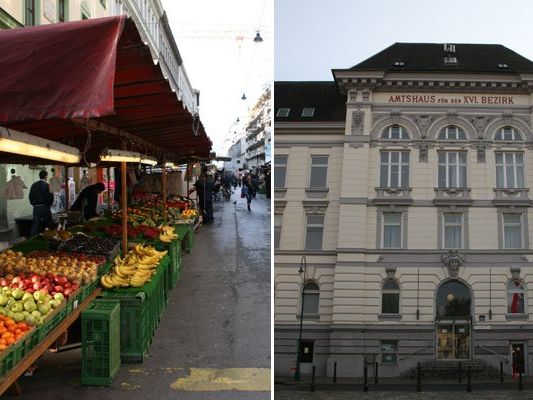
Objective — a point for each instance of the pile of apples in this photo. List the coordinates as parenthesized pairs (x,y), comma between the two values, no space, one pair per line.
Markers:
(31,308)
(48,284)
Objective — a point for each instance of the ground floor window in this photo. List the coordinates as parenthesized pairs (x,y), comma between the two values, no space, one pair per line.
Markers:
(306,353)
(389,351)
(515,297)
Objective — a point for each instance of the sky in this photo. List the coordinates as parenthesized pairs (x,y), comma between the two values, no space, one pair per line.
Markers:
(215,40)
(314,36)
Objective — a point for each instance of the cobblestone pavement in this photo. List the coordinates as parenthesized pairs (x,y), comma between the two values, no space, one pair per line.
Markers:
(499,395)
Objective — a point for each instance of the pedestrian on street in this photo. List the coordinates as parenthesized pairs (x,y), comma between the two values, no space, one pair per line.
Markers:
(204,188)
(41,199)
(267,184)
(247,187)
(255,184)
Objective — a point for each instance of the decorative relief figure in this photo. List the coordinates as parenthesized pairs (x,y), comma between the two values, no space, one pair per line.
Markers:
(480,122)
(423,150)
(453,261)
(358,121)
(424,121)
(391,271)
(515,272)
(395,115)
(481,153)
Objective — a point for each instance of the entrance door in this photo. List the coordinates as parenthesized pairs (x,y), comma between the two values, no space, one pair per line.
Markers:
(453,340)
(518,357)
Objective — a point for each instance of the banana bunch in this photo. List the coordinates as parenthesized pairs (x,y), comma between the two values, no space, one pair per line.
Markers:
(135,269)
(167,234)
(189,213)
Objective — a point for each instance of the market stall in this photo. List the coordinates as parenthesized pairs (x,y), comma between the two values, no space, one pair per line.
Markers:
(106,103)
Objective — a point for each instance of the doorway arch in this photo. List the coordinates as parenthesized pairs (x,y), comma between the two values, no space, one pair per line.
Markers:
(453,320)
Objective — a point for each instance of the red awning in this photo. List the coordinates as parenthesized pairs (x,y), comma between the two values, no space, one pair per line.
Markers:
(98,69)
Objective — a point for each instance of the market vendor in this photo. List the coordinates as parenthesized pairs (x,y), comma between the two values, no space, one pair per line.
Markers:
(204,188)
(88,197)
(41,199)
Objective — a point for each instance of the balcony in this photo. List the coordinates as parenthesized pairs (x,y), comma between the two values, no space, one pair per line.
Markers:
(511,197)
(393,196)
(452,196)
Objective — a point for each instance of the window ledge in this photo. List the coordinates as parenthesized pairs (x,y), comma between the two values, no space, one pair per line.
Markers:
(390,316)
(280,190)
(316,190)
(308,317)
(517,316)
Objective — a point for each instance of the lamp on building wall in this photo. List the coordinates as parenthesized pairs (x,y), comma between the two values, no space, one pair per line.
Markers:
(258,38)
(12,141)
(302,271)
(243,97)
(112,155)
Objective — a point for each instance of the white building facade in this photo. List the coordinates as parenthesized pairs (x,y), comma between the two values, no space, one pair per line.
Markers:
(405,183)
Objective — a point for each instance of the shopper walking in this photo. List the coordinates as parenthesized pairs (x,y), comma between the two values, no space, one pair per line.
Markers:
(41,199)
(204,188)
(247,187)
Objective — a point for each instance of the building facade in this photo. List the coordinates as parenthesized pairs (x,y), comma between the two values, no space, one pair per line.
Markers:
(258,132)
(402,223)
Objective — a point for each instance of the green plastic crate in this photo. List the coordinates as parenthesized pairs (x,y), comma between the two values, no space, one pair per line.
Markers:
(28,342)
(52,322)
(100,329)
(9,358)
(135,327)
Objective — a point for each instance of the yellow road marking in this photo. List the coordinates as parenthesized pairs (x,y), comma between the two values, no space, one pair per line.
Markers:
(210,380)
(129,386)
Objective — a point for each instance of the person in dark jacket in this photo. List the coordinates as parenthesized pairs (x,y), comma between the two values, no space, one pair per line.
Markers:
(89,198)
(41,199)
(204,187)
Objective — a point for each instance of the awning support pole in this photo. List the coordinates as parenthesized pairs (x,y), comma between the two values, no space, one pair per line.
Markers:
(124,206)
(67,194)
(164,186)
(108,176)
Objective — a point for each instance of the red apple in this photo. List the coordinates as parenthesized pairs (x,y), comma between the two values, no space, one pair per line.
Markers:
(59,288)
(36,286)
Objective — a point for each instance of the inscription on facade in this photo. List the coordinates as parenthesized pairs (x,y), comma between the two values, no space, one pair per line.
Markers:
(462,99)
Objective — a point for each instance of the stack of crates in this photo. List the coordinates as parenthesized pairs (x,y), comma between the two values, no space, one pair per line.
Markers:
(100,324)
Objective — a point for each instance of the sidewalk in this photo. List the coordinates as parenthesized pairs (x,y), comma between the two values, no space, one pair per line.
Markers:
(218,317)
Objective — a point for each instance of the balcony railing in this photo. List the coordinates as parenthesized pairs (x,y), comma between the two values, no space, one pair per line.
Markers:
(517,197)
(152,23)
(393,196)
(448,196)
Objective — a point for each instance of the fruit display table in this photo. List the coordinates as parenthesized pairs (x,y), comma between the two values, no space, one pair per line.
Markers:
(10,378)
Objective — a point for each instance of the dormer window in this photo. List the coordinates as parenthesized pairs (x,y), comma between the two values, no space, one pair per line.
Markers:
(508,134)
(450,60)
(503,66)
(452,133)
(283,112)
(398,63)
(308,112)
(395,132)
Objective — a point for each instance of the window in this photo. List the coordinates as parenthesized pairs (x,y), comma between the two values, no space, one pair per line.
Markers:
(277,229)
(308,112)
(306,355)
(280,171)
(283,112)
(452,169)
(30,12)
(394,171)
(390,297)
(389,351)
(508,134)
(319,172)
(509,170)
(61,10)
(314,231)
(395,132)
(103,3)
(515,297)
(453,230)
(311,299)
(85,13)
(452,133)
(512,230)
(392,230)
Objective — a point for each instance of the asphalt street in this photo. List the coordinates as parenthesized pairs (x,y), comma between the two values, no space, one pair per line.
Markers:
(216,326)
(497,395)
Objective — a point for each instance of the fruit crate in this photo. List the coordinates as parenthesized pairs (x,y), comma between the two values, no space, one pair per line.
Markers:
(174,270)
(186,234)
(135,328)
(141,310)
(9,358)
(100,330)
(28,342)
(53,320)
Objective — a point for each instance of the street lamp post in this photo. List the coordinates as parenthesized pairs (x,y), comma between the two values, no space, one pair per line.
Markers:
(302,270)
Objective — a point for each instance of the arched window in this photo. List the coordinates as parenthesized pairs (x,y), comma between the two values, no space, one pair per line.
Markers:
(453,300)
(311,299)
(395,132)
(452,133)
(390,297)
(508,134)
(516,303)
